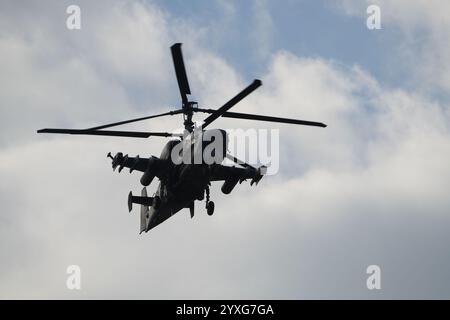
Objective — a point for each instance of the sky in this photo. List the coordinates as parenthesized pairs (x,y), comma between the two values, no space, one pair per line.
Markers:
(370,189)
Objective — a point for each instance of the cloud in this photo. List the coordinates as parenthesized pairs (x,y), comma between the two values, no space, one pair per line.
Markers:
(423,49)
(369,189)
(263,32)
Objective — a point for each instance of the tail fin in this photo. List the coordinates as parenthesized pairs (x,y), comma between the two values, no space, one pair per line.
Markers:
(145,212)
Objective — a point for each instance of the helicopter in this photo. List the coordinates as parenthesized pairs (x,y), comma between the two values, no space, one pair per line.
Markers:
(181,183)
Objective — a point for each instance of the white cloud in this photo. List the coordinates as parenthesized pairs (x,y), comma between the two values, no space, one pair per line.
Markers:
(263,32)
(370,188)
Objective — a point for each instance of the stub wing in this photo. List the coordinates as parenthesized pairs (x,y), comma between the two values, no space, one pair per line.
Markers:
(156,165)
(228,173)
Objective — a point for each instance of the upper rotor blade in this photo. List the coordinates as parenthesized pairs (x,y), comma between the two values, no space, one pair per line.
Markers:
(241,95)
(132,134)
(246,116)
(170,113)
(180,71)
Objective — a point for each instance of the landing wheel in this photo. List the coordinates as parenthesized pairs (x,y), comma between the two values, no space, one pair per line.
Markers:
(156,202)
(210,208)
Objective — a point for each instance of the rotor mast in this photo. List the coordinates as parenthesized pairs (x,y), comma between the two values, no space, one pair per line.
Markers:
(187,115)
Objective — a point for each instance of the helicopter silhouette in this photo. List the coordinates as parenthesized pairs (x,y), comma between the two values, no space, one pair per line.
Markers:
(181,183)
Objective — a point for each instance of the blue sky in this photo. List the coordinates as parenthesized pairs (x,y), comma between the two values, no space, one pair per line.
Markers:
(305,28)
(371,188)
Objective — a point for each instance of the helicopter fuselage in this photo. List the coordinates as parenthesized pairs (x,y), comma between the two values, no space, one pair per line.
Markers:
(185,182)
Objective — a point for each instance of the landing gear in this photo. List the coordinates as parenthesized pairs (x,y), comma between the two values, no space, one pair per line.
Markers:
(209,204)
(210,208)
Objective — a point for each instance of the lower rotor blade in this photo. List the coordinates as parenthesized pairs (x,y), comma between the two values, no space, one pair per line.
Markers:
(131,134)
(170,113)
(247,116)
(238,115)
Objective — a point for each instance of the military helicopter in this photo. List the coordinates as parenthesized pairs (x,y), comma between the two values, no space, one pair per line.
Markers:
(181,183)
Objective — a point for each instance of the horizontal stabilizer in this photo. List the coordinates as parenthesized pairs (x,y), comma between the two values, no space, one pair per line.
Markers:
(145,201)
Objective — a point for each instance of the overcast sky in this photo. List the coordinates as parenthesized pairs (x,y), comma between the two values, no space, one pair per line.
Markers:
(370,189)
